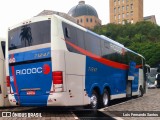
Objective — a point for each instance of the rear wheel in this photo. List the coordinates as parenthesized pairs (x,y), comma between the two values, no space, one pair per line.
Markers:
(140,92)
(94,100)
(105,98)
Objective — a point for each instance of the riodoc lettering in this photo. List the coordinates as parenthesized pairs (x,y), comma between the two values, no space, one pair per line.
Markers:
(29,71)
(45,69)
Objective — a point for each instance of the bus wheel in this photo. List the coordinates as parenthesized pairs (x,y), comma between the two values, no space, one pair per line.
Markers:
(94,100)
(105,98)
(140,92)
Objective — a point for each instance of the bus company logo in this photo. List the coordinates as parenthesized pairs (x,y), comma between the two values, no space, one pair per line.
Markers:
(39,70)
(46,69)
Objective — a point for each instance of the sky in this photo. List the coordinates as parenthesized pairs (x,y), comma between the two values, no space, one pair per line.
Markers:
(15,11)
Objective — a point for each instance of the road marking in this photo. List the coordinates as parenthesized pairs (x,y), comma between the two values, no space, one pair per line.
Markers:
(117,118)
(75,117)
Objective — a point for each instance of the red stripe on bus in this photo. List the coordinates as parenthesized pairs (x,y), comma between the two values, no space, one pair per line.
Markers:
(99,59)
(15,82)
(12,56)
(138,66)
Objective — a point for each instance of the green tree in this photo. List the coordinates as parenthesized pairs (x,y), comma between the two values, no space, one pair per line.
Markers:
(26,35)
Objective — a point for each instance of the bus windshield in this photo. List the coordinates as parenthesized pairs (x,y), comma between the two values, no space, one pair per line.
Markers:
(30,35)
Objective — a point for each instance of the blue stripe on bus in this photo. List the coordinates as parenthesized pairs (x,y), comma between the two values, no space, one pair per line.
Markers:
(32,55)
(99,75)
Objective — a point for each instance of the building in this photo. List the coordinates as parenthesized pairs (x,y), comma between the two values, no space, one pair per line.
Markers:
(151,18)
(85,15)
(126,10)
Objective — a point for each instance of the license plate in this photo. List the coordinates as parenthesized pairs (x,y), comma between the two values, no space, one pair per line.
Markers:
(30,92)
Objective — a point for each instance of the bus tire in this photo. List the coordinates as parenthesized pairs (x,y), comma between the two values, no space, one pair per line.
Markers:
(105,98)
(94,100)
(140,94)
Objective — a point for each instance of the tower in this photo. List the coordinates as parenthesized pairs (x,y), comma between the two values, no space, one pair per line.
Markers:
(126,10)
(85,15)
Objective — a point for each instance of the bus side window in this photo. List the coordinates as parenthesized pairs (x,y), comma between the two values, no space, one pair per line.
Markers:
(3,47)
(92,44)
(70,33)
(106,45)
(67,32)
(107,52)
(80,39)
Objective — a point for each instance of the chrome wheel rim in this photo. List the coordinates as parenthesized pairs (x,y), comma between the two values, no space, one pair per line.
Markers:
(105,99)
(93,101)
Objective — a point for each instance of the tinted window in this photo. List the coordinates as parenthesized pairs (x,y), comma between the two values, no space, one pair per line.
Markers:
(70,35)
(133,57)
(3,44)
(30,35)
(113,52)
(92,43)
(80,38)
(106,50)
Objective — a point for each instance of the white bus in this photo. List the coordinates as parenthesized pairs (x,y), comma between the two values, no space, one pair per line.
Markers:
(55,62)
(3,89)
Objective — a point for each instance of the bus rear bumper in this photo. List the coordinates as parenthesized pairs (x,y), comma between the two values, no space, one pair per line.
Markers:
(54,99)
(66,99)
(12,100)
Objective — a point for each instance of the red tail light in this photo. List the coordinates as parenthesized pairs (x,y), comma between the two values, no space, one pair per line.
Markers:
(57,77)
(8,81)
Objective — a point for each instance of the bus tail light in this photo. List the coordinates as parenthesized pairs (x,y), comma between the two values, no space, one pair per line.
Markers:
(57,81)
(8,81)
(8,84)
(58,77)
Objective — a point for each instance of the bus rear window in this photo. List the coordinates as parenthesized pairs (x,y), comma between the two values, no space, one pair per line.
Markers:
(30,35)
